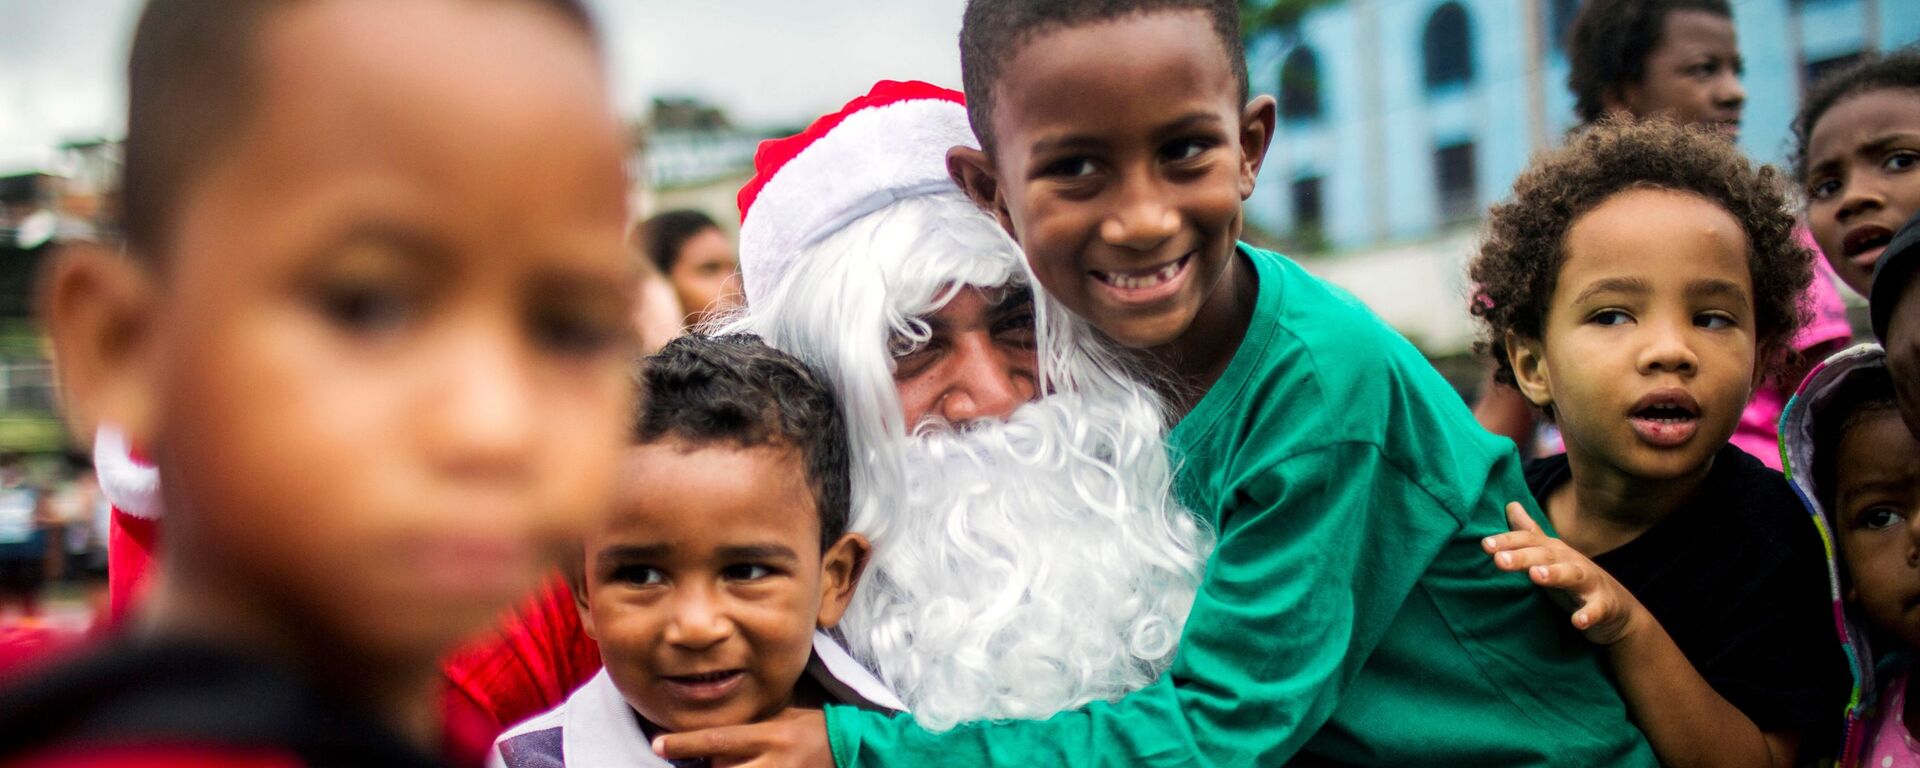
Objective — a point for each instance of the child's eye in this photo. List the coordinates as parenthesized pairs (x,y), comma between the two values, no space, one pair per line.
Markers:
(1823,189)
(1185,149)
(747,572)
(1900,161)
(1610,317)
(1713,321)
(1880,517)
(1069,168)
(638,575)
(364,308)
(572,332)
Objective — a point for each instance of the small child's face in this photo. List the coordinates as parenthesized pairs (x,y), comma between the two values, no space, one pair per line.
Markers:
(706,585)
(1693,77)
(1877,503)
(1648,355)
(387,344)
(1863,178)
(1122,156)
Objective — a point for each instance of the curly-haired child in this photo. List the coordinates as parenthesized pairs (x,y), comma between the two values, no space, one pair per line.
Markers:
(1631,289)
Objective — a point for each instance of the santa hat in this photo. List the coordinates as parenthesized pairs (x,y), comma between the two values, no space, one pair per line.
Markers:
(883,147)
(132,485)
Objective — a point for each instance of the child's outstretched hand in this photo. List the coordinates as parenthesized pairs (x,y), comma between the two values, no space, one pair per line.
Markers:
(1602,609)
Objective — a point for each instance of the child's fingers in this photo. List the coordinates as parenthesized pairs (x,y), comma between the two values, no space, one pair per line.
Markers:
(1519,520)
(1595,610)
(1524,558)
(1514,540)
(1564,576)
(796,739)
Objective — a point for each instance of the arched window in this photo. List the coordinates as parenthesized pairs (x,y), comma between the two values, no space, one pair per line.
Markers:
(1300,85)
(1560,15)
(1447,47)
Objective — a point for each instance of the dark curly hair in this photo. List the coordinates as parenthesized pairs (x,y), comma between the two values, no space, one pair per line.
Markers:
(1610,40)
(736,390)
(661,236)
(1897,70)
(1519,261)
(993,31)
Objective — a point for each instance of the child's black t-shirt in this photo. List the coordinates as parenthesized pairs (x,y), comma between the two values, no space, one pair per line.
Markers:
(132,703)
(1738,578)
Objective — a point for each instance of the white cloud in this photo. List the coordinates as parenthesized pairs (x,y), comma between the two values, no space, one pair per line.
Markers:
(764,61)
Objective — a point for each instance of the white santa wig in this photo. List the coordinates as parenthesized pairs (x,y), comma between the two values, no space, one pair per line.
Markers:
(1019,569)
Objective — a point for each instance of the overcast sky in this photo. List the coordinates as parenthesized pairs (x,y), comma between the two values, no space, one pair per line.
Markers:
(764,61)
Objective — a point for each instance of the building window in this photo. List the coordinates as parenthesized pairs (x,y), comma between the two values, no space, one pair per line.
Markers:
(1300,85)
(1447,47)
(1822,68)
(1309,214)
(1560,15)
(1454,180)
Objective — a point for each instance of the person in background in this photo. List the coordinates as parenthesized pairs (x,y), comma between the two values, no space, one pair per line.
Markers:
(657,314)
(1857,468)
(28,543)
(690,250)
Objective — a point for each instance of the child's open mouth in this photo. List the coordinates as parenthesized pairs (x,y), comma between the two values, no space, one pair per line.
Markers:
(1666,418)
(1145,284)
(706,686)
(1863,244)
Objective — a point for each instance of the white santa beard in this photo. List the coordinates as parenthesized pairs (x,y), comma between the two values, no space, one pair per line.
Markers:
(1028,567)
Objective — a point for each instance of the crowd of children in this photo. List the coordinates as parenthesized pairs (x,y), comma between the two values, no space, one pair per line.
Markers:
(374,322)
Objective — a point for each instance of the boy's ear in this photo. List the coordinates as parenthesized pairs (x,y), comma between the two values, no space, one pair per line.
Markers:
(1257,125)
(577,584)
(972,169)
(97,307)
(840,570)
(1530,374)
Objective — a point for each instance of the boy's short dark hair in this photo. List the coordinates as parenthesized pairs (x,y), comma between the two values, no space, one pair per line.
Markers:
(1865,392)
(993,31)
(191,88)
(1520,258)
(1897,70)
(661,236)
(1610,40)
(734,389)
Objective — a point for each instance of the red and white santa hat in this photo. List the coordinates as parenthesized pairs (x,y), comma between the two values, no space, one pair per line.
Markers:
(886,146)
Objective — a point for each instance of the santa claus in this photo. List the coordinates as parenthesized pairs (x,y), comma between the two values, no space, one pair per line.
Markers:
(1028,556)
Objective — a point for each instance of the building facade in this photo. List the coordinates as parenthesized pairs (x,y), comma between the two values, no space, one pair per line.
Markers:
(1403,120)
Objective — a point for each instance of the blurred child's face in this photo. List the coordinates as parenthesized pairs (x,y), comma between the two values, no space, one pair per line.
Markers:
(1648,355)
(1692,78)
(389,337)
(1122,156)
(706,276)
(1877,503)
(705,587)
(1863,178)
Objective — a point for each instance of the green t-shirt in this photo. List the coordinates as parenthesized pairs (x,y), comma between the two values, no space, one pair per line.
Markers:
(1347,612)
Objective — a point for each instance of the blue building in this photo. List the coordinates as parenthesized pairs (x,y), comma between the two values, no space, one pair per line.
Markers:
(1402,120)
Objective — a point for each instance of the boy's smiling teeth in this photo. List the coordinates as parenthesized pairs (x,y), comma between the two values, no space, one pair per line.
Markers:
(1133,281)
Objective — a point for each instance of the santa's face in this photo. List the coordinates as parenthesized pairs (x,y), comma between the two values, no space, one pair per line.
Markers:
(977,361)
